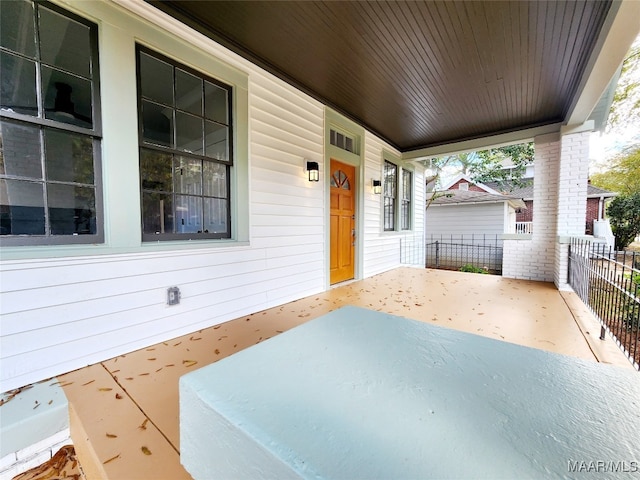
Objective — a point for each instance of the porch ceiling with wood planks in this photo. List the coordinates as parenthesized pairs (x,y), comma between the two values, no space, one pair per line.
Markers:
(418,74)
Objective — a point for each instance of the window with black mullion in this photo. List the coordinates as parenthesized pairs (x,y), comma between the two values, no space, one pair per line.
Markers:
(186,151)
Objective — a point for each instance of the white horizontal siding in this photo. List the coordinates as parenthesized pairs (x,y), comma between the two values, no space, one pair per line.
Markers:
(477,219)
(382,249)
(62,313)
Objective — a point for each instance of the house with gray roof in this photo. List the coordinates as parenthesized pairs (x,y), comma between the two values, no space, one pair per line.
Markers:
(596,204)
(467,208)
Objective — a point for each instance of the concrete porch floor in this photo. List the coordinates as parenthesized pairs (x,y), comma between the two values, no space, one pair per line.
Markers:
(124,411)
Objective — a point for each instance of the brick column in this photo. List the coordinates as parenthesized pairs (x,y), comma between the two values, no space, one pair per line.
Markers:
(532,257)
(573,175)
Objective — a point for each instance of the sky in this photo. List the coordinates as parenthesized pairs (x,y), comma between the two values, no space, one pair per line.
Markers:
(605,146)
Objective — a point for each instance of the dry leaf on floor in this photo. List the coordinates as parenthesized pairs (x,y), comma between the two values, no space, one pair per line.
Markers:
(189,363)
(111,459)
(62,466)
(105,389)
(111,435)
(118,396)
(143,425)
(145,450)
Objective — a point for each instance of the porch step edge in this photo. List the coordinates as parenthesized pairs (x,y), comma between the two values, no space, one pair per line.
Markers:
(605,351)
(34,423)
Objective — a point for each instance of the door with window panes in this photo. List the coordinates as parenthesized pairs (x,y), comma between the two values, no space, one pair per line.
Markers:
(342,224)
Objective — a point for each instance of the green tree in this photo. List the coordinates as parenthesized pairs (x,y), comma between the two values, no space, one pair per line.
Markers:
(624,216)
(623,174)
(484,166)
(625,108)
(490,168)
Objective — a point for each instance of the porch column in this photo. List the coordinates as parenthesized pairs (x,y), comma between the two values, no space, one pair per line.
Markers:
(532,257)
(573,179)
(560,207)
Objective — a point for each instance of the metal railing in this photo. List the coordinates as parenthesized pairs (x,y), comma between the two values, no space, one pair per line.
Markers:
(412,250)
(608,282)
(452,252)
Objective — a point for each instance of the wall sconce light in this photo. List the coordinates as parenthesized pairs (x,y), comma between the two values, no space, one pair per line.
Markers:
(314,171)
(377,187)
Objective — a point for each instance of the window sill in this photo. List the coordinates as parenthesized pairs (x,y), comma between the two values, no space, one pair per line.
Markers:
(96,250)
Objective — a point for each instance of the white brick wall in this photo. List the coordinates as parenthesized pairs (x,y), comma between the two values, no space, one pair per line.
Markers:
(559,198)
(533,258)
(33,455)
(573,177)
(572,180)
(526,259)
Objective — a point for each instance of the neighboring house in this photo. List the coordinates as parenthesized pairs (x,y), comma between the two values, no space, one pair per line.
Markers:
(464,225)
(596,204)
(467,208)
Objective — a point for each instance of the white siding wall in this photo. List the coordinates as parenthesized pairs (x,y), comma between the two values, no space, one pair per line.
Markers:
(66,307)
(287,213)
(472,219)
(382,249)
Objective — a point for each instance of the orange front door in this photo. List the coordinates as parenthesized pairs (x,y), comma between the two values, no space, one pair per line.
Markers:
(342,222)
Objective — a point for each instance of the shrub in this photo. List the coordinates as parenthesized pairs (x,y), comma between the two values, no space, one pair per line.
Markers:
(471,269)
(624,216)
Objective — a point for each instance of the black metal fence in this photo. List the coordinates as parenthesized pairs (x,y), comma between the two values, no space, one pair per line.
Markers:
(608,281)
(452,252)
(412,250)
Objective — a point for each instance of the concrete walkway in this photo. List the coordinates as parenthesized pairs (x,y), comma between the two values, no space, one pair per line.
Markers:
(124,411)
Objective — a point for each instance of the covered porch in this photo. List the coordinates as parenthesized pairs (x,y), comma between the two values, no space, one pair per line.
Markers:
(129,402)
(104,301)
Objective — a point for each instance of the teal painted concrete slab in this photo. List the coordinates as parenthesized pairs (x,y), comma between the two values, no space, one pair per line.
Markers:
(363,394)
(35,414)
